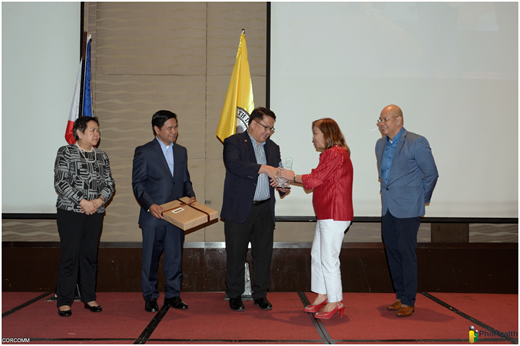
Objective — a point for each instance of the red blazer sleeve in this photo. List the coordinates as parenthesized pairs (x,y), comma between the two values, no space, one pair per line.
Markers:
(329,162)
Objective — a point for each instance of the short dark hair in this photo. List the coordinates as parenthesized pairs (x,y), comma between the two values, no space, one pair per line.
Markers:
(160,117)
(259,112)
(81,125)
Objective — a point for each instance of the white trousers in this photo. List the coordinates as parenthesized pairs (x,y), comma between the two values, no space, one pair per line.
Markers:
(325,266)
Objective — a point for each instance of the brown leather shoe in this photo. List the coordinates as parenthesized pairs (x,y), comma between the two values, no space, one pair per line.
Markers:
(405,311)
(395,306)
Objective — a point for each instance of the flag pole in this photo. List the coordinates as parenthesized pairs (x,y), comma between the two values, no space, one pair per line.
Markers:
(83,58)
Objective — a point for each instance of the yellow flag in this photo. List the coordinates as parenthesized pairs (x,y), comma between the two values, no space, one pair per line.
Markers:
(239,98)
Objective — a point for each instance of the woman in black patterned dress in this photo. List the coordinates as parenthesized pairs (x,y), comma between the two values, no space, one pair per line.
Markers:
(84,183)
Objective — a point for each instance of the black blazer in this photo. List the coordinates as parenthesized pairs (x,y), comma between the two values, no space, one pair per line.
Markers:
(152,180)
(242,175)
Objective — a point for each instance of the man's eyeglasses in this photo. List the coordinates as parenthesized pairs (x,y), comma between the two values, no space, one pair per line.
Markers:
(384,120)
(266,128)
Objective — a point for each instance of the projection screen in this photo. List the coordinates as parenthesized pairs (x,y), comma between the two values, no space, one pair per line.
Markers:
(40,61)
(451,67)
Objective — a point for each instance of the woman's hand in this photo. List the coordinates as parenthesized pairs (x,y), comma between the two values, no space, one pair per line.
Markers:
(286,174)
(98,202)
(88,207)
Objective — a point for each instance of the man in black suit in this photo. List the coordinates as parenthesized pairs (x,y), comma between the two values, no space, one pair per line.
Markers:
(251,160)
(160,174)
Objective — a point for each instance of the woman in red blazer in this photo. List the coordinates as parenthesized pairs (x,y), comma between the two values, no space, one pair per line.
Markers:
(331,183)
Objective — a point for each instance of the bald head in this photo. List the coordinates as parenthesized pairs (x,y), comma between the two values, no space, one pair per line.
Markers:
(392,110)
(391,121)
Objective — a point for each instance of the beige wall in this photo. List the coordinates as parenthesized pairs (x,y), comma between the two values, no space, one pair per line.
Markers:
(176,56)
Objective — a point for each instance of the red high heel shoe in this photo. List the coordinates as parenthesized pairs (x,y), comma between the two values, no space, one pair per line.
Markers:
(315,308)
(328,315)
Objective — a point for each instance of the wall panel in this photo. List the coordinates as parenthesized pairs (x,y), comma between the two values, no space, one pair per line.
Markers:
(175,56)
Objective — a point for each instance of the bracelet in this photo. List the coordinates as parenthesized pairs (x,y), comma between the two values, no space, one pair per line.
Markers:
(294,178)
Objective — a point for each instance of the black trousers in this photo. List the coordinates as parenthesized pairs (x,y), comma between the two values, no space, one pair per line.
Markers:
(400,238)
(258,229)
(79,240)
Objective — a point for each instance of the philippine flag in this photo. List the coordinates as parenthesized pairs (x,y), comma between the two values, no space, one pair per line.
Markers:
(87,96)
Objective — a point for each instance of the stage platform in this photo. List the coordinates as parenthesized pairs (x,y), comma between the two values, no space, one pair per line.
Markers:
(440,318)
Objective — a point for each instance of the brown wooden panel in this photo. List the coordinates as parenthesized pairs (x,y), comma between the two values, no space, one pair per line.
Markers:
(119,270)
(463,267)
(450,232)
(473,269)
(290,270)
(29,269)
(215,270)
(365,270)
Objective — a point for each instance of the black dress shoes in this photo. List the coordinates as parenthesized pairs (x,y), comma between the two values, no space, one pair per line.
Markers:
(64,313)
(96,308)
(151,305)
(236,304)
(263,304)
(175,303)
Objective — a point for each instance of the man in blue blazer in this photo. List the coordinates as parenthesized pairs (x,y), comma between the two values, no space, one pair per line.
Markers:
(160,174)
(408,175)
(251,160)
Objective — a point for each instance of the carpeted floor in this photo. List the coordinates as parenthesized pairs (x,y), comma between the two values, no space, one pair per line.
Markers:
(439,318)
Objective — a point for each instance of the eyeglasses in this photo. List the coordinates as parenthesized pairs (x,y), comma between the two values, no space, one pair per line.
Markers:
(384,120)
(266,128)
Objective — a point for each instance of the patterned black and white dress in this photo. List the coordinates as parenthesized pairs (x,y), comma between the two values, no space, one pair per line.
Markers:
(79,175)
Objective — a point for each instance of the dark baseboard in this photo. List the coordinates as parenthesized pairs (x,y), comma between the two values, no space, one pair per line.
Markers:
(312,218)
(443,267)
